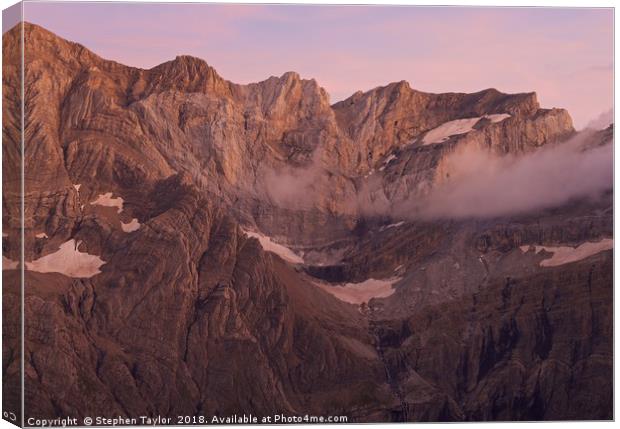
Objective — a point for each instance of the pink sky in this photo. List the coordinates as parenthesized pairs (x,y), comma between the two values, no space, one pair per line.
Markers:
(565,55)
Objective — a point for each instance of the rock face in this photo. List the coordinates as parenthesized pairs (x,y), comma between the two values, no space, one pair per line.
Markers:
(151,177)
(402,114)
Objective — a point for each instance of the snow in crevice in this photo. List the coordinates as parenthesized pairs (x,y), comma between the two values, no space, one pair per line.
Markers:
(565,254)
(459,126)
(77,190)
(387,161)
(108,201)
(270,246)
(9,264)
(41,235)
(392,225)
(68,260)
(359,293)
(133,225)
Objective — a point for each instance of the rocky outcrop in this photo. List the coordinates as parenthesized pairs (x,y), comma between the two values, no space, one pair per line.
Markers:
(393,116)
(503,352)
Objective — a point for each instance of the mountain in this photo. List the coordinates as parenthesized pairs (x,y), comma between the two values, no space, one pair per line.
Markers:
(198,247)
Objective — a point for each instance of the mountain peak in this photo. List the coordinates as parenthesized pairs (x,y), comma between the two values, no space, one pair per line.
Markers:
(290,76)
(184,64)
(189,60)
(45,45)
(186,73)
(402,85)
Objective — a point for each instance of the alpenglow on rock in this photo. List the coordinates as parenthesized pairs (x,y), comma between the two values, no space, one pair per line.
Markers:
(216,248)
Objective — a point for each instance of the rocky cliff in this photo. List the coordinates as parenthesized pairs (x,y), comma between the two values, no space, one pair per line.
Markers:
(197,247)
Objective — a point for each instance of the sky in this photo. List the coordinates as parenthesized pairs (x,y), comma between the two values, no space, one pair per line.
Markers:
(565,55)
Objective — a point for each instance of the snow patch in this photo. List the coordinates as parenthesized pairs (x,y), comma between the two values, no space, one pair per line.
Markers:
(458,126)
(497,117)
(41,235)
(270,246)
(133,225)
(109,201)
(566,254)
(77,187)
(68,260)
(9,264)
(448,129)
(358,293)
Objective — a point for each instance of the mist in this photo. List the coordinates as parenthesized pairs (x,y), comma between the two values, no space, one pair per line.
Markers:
(295,187)
(483,185)
(602,121)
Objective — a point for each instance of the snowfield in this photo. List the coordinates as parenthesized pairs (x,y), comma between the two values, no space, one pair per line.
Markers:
(9,264)
(358,293)
(448,129)
(566,254)
(270,246)
(68,260)
(133,225)
(108,201)
(458,126)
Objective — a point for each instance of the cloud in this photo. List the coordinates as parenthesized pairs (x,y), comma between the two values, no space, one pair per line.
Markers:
(481,183)
(602,121)
(295,187)
(484,185)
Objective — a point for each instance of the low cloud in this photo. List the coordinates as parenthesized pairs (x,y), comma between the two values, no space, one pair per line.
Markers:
(484,185)
(481,184)
(602,121)
(296,188)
